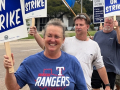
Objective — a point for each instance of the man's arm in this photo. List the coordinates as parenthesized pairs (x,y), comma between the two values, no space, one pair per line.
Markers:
(38,38)
(10,79)
(104,77)
(117,31)
(118,34)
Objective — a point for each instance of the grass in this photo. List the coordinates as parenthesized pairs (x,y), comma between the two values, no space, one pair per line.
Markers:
(92,33)
(68,34)
(31,37)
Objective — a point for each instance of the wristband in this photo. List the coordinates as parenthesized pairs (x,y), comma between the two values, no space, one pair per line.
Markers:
(107,84)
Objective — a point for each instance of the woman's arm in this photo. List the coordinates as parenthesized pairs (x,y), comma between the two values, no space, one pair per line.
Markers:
(10,79)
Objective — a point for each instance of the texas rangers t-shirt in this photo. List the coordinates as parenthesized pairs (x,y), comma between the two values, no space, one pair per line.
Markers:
(42,73)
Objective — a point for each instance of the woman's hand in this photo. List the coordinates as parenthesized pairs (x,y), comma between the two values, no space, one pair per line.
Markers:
(7,63)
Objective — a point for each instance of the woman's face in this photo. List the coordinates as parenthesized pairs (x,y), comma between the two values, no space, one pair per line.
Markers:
(53,38)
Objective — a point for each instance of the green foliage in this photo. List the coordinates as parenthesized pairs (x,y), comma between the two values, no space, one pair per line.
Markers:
(27,23)
(71,34)
(77,8)
(31,37)
(56,8)
(88,5)
(92,26)
(92,33)
(68,34)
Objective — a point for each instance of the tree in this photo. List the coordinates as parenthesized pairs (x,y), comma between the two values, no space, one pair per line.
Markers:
(56,8)
(88,5)
(27,23)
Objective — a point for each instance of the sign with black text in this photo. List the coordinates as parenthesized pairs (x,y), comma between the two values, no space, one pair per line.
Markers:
(98,11)
(12,22)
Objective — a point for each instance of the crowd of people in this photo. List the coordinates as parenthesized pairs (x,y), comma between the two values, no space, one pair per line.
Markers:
(72,63)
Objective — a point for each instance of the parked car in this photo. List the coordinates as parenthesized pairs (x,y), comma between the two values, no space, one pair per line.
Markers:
(96,28)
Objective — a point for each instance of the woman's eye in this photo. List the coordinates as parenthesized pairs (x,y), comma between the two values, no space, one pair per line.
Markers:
(57,37)
(49,36)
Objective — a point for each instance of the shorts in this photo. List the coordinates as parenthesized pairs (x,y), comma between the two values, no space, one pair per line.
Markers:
(96,81)
(117,81)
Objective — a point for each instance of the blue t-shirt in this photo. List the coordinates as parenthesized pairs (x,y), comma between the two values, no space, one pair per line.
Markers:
(109,50)
(42,73)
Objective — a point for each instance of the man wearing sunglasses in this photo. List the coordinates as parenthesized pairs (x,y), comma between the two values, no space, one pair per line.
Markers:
(84,49)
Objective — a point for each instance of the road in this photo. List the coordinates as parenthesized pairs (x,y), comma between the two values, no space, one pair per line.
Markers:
(21,49)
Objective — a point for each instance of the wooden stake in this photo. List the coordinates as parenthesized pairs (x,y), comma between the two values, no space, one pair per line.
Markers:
(33,21)
(70,8)
(114,18)
(8,53)
(100,24)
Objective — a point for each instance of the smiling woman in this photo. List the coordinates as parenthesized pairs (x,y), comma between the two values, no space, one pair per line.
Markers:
(50,69)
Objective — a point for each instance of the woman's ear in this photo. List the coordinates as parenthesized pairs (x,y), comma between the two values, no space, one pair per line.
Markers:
(63,39)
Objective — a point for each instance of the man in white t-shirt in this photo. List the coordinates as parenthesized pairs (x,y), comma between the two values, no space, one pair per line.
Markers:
(84,49)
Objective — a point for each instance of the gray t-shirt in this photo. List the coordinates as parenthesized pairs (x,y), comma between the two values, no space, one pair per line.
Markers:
(109,50)
(87,52)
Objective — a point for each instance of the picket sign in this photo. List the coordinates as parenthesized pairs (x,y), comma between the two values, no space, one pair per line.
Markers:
(8,53)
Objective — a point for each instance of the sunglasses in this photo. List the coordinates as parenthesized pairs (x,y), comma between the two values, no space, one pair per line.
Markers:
(82,16)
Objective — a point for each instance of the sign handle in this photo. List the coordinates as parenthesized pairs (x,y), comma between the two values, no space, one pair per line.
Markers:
(114,18)
(8,53)
(33,21)
(100,24)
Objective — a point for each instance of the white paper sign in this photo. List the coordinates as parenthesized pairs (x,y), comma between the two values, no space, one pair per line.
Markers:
(98,3)
(35,8)
(98,11)
(12,21)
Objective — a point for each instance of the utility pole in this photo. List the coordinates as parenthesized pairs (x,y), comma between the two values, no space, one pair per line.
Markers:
(81,6)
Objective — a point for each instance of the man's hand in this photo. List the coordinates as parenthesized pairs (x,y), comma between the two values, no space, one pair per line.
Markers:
(33,31)
(107,88)
(100,27)
(115,24)
(91,37)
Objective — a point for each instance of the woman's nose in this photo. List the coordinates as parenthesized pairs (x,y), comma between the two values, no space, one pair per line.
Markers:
(53,39)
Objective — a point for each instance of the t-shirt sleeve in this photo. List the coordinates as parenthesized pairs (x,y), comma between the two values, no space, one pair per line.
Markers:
(94,36)
(21,75)
(79,77)
(98,62)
